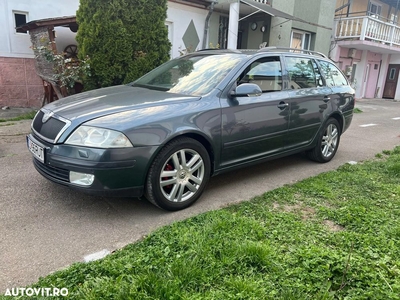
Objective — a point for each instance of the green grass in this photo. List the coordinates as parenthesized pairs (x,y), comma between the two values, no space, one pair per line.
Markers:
(27,116)
(333,236)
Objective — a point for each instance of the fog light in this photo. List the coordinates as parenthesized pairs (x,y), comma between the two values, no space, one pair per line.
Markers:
(81,178)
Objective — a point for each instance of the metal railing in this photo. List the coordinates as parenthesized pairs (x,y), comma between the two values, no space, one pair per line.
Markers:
(295,50)
(367,28)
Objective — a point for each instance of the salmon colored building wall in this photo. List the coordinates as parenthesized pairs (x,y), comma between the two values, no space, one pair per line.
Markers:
(20,86)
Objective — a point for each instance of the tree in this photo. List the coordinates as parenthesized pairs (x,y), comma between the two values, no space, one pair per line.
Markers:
(124,39)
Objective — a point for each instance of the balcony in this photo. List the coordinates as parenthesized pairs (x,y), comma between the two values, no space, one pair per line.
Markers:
(368,32)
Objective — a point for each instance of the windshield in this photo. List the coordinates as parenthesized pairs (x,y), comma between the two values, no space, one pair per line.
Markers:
(191,75)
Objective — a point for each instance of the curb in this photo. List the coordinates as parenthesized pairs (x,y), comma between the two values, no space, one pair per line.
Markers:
(14,112)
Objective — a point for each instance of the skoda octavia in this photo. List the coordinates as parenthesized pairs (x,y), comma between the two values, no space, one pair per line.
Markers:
(193,117)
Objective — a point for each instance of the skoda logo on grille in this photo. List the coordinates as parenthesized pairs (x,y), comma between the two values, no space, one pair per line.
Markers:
(47,115)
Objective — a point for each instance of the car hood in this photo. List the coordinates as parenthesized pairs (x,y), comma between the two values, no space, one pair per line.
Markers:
(97,103)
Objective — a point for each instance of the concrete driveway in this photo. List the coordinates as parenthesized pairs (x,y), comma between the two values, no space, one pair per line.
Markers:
(45,227)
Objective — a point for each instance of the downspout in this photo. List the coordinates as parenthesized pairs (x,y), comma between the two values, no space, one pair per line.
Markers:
(207,24)
(348,8)
(377,82)
(369,8)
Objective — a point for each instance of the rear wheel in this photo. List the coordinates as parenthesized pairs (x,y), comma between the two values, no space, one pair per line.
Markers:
(328,142)
(178,175)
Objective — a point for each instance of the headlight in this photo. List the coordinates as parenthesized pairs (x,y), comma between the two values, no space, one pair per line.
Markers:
(98,137)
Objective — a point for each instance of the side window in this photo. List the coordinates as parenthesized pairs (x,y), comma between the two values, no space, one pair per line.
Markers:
(302,73)
(332,74)
(265,72)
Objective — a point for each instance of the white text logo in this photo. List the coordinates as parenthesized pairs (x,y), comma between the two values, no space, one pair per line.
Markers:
(44,292)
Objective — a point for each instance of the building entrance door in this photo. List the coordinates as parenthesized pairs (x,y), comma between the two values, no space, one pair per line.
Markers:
(391,81)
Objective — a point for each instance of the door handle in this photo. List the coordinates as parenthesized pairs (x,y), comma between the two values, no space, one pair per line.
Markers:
(283,105)
(326,99)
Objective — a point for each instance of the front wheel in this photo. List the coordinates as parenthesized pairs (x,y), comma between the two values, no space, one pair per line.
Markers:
(328,142)
(178,175)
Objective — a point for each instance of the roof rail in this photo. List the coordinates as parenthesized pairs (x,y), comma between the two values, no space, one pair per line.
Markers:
(266,49)
(219,50)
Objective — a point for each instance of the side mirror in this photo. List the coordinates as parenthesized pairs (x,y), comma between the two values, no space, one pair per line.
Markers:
(246,90)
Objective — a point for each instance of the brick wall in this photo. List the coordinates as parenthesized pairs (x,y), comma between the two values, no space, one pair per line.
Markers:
(20,86)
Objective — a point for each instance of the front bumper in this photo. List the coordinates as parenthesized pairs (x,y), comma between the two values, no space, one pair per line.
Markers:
(117,172)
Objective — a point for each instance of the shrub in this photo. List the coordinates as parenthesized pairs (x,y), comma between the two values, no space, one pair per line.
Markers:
(65,72)
(124,39)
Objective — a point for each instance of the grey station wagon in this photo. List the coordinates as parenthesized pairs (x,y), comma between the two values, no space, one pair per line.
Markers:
(193,117)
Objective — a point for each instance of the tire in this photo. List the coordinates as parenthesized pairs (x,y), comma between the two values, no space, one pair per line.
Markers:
(178,174)
(328,142)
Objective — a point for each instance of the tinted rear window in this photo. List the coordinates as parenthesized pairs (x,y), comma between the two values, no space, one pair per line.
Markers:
(332,74)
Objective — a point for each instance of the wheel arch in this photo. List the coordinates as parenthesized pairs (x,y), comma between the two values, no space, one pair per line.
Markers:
(206,143)
(338,117)
(328,142)
(198,136)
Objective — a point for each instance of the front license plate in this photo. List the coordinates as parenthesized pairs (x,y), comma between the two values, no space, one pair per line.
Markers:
(36,150)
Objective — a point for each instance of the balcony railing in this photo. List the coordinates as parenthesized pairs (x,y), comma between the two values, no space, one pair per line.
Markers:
(367,28)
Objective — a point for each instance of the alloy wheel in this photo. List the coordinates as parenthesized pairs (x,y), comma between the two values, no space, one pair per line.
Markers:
(182,175)
(329,140)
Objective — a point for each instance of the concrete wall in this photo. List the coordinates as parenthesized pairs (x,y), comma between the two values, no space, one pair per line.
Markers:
(180,17)
(323,12)
(281,28)
(324,36)
(255,37)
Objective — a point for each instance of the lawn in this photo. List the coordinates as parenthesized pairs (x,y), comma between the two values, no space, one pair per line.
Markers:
(333,236)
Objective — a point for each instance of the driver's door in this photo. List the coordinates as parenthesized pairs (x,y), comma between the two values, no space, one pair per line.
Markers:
(254,127)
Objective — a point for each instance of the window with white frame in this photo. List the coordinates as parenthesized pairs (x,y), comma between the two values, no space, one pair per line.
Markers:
(20,18)
(374,9)
(300,40)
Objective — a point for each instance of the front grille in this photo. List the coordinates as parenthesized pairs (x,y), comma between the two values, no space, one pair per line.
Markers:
(50,129)
(56,173)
